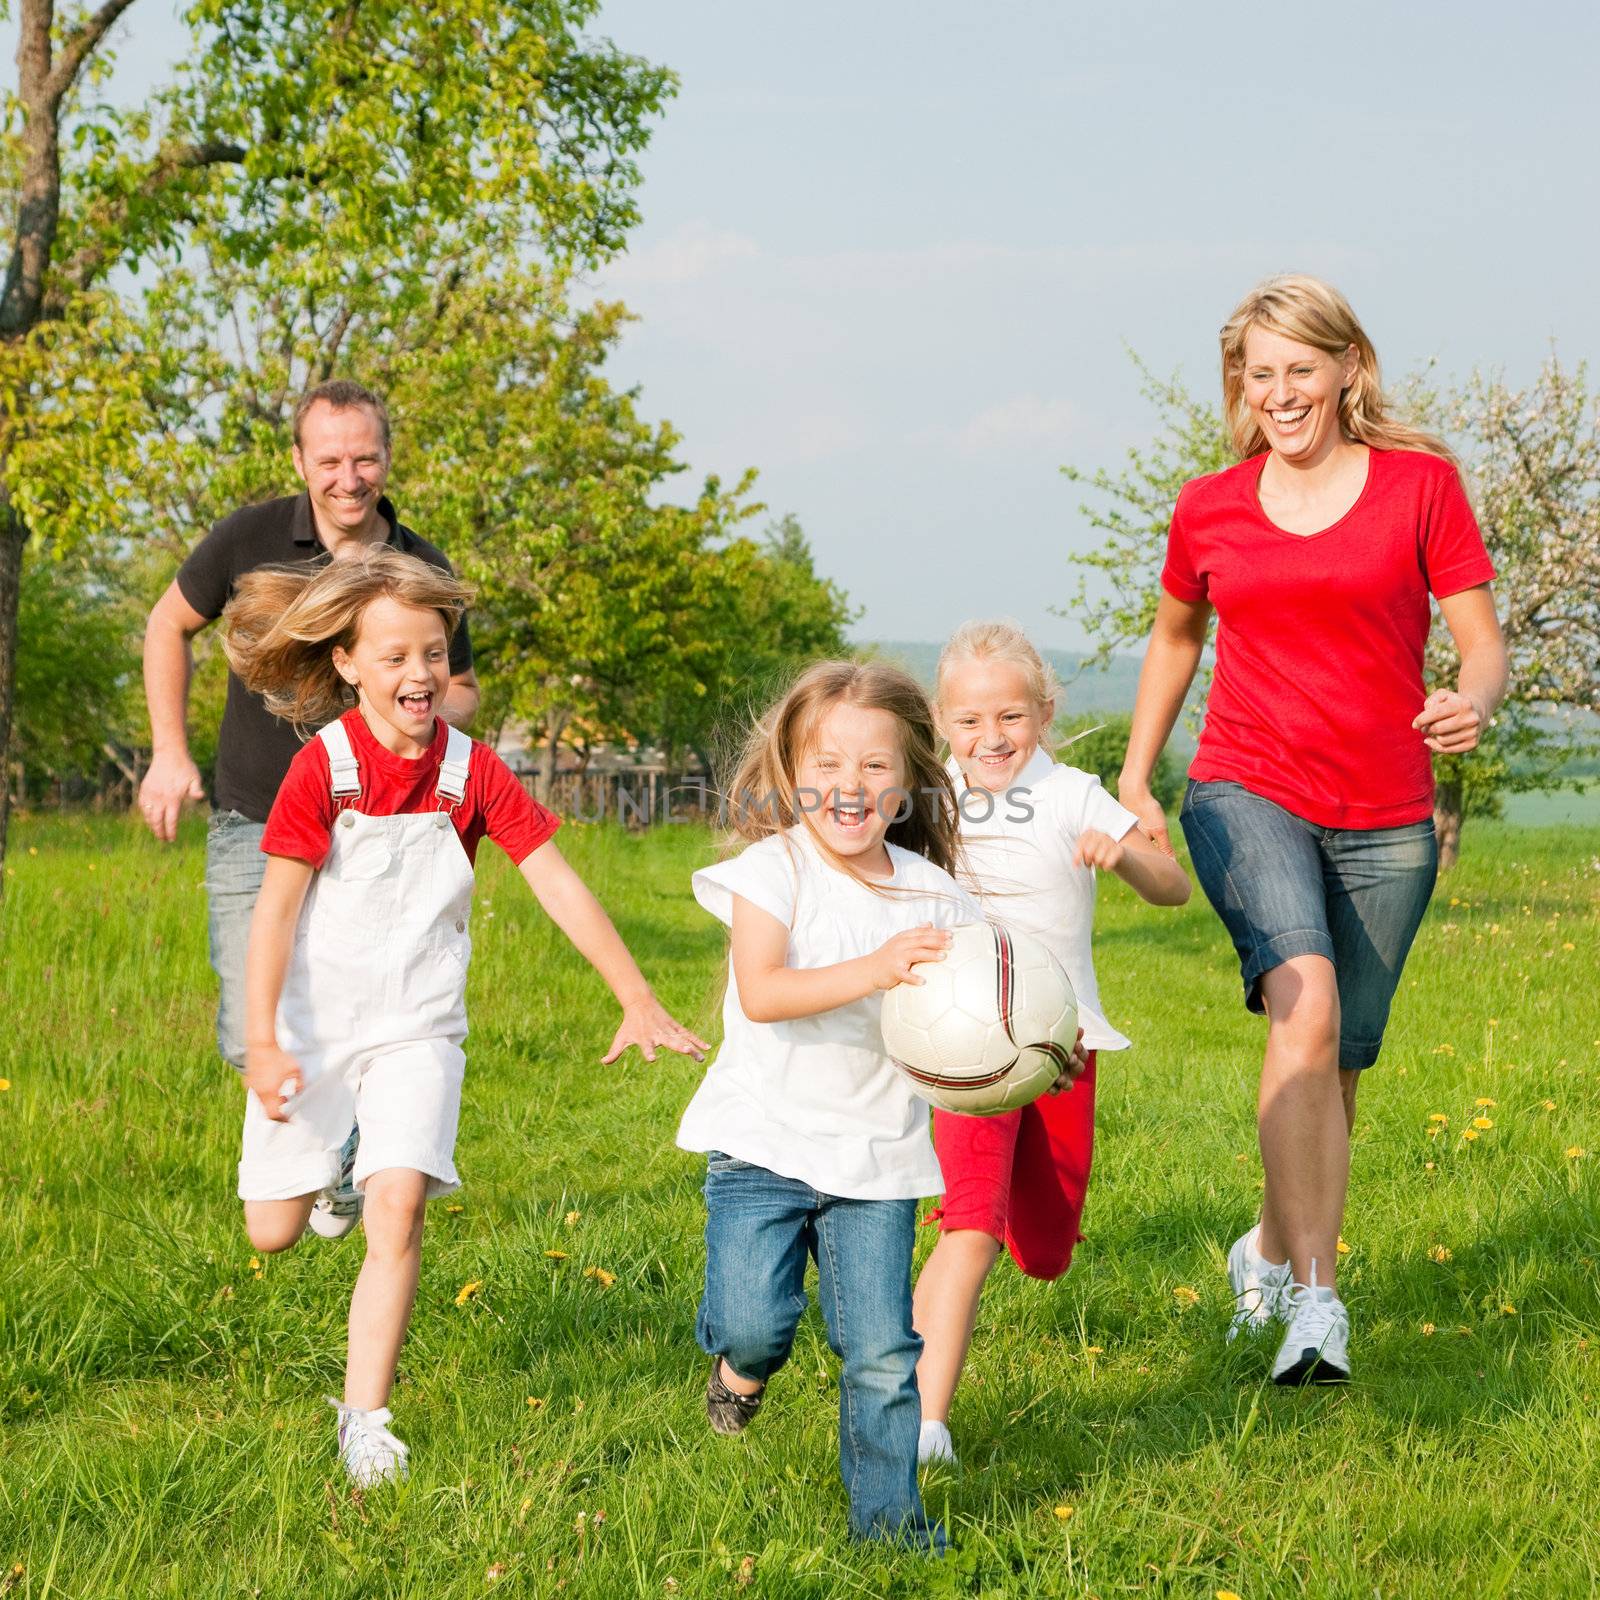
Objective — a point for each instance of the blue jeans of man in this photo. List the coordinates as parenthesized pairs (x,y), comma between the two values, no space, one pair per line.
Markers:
(234,868)
(760,1230)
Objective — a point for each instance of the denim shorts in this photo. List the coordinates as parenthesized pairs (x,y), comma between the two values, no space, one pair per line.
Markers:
(1287,887)
(234,869)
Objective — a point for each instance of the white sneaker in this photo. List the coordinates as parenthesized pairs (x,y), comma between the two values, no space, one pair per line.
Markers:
(338,1207)
(1316,1349)
(934,1444)
(1260,1287)
(370,1453)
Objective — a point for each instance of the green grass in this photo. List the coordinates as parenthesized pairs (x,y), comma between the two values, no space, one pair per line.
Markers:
(161,1424)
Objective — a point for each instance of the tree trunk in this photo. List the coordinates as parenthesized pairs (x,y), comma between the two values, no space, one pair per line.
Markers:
(545,778)
(1447,823)
(12,538)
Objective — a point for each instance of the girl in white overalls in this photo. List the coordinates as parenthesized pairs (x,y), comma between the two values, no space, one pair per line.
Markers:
(358,949)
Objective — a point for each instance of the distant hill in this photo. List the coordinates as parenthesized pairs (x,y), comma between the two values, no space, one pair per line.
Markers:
(1108,688)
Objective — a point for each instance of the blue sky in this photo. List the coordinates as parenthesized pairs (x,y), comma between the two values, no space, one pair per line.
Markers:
(893,252)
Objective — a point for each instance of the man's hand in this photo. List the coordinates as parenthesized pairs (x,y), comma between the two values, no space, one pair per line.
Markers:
(172,781)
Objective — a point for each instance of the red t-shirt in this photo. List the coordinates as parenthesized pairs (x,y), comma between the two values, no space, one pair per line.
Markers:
(495,804)
(1320,638)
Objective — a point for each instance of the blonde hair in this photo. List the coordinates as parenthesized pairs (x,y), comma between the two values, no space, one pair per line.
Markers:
(762,797)
(284,621)
(1003,641)
(1312,312)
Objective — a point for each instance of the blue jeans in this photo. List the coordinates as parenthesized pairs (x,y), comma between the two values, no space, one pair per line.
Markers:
(760,1228)
(1287,887)
(234,868)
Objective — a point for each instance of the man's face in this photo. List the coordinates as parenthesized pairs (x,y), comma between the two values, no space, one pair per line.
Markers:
(343,461)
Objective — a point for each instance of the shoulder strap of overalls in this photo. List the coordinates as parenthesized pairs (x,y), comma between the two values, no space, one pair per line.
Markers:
(453,770)
(346,773)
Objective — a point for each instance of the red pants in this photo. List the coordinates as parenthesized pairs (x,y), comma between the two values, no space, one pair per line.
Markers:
(1021,1177)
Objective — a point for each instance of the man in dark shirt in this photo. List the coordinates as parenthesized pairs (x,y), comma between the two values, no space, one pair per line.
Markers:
(341,453)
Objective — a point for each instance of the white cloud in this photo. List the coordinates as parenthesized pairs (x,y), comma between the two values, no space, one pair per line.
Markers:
(1025,422)
(686,255)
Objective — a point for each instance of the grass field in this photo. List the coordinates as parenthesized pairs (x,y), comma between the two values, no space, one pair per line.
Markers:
(162,1430)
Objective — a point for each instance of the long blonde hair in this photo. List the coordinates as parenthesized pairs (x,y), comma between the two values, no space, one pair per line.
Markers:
(762,794)
(1004,641)
(1306,309)
(284,621)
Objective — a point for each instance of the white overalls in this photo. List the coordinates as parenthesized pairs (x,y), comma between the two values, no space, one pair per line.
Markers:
(373,1005)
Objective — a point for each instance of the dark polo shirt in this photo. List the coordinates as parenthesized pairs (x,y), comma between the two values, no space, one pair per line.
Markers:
(254,748)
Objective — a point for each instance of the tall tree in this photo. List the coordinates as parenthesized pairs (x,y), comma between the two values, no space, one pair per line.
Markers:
(312,170)
(1532,458)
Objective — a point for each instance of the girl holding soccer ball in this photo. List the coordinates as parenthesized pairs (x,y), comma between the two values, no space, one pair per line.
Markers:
(1033,831)
(358,949)
(1309,811)
(815,1144)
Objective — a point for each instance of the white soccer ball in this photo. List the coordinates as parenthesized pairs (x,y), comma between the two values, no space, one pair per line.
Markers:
(989,1028)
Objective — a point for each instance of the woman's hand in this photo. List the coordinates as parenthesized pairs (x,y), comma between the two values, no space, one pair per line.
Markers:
(1075,1069)
(891,963)
(1450,722)
(648,1024)
(1152,818)
(273,1076)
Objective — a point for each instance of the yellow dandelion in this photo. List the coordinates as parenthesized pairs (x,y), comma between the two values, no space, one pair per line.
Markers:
(1469,1134)
(1185,1296)
(1445,1050)
(1427,1330)
(1439,1117)
(1484,1123)
(1576,1152)
(1226,1594)
(455,1211)
(601,1276)
(535,1403)
(1065,1513)
(1094,1350)
(1567,944)
(1483,1101)
(255,1263)
(1439,1253)
(572,1218)
(468,1291)
(1583,1344)
(1429,1166)
(5,1083)
(1343,1248)
(1549,1105)
(1508,1311)
(1455,899)
(555,1255)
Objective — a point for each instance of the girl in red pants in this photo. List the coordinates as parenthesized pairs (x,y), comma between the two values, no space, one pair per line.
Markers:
(1034,832)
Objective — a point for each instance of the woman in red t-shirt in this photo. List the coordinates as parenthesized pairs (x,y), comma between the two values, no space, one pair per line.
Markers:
(1309,807)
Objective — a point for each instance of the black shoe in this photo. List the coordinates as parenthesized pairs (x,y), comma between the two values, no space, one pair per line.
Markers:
(726,1411)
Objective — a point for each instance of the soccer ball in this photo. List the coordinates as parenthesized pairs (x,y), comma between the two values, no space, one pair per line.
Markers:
(989,1028)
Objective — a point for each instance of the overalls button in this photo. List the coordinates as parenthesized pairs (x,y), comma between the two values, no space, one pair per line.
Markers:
(461,927)
(347,820)
(440,820)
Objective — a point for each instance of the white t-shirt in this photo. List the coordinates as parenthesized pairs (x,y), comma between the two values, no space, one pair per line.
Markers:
(817,1098)
(1019,863)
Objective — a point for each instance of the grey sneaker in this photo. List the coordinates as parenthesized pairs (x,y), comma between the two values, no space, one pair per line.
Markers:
(726,1411)
(1260,1288)
(338,1208)
(1316,1349)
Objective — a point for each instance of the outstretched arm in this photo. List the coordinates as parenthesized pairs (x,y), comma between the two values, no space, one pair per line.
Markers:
(575,911)
(268,1069)
(1177,637)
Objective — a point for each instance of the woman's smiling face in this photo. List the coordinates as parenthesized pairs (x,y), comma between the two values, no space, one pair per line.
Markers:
(1293,391)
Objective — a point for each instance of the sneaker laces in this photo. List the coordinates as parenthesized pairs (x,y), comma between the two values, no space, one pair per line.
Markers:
(1314,1312)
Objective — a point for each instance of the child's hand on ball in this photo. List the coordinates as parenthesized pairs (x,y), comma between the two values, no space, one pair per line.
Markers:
(1076,1067)
(891,963)
(274,1077)
(1097,849)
